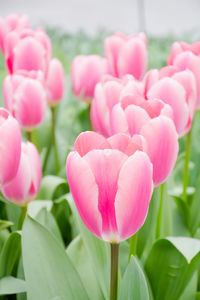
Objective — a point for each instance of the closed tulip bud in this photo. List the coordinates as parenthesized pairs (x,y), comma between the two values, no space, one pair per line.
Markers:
(28,50)
(126,55)
(111,183)
(11,23)
(25,98)
(55,82)
(10,147)
(26,184)
(86,72)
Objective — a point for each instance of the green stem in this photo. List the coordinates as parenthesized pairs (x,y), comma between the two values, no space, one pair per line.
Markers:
(160,212)
(53,120)
(186,169)
(22,217)
(114,271)
(29,136)
(133,245)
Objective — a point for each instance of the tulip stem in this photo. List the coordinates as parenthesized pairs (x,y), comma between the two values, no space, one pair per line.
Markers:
(53,120)
(114,271)
(29,136)
(22,217)
(133,245)
(160,212)
(187,160)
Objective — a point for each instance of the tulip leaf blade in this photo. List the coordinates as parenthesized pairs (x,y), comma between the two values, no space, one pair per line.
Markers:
(43,254)
(10,285)
(170,266)
(134,285)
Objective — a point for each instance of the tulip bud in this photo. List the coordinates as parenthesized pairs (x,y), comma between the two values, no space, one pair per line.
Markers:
(126,55)
(86,73)
(55,82)
(111,184)
(10,147)
(25,98)
(9,23)
(28,50)
(25,186)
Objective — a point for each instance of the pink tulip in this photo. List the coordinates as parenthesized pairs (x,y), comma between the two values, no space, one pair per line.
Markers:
(25,186)
(28,50)
(156,85)
(111,189)
(186,56)
(108,93)
(153,120)
(25,98)
(55,82)
(86,72)
(10,147)
(11,23)
(126,55)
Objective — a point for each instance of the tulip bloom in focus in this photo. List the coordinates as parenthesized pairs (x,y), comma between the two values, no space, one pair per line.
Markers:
(86,72)
(55,82)
(126,55)
(111,184)
(28,50)
(25,186)
(10,23)
(10,147)
(25,98)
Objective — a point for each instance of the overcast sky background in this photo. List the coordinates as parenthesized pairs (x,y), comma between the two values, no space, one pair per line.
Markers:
(160,16)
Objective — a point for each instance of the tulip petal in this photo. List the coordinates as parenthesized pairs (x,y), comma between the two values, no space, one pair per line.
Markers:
(162,147)
(85,192)
(136,118)
(106,165)
(133,195)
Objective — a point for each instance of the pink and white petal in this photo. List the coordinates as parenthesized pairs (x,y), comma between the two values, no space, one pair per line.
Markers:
(162,146)
(90,140)
(85,192)
(136,118)
(106,165)
(134,192)
(171,92)
(118,122)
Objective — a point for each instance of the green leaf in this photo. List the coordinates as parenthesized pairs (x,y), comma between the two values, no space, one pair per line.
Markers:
(97,250)
(134,285)
(10,254)
(83,263)
(5,224)
(13,213)
(194,220)
(52,187)
(47,265)
(11,285)
(170,266)
(46,219)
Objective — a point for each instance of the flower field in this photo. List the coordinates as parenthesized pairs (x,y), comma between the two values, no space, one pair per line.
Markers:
(99,165)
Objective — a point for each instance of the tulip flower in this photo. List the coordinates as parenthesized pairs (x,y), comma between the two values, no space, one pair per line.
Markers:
(126,55)
(166,91)
(25,186)
(12,22)
(28,50)
(25,98)
(55,82)
(10,147)
(86,72)
(111,187)
(109,92)
(186,56)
